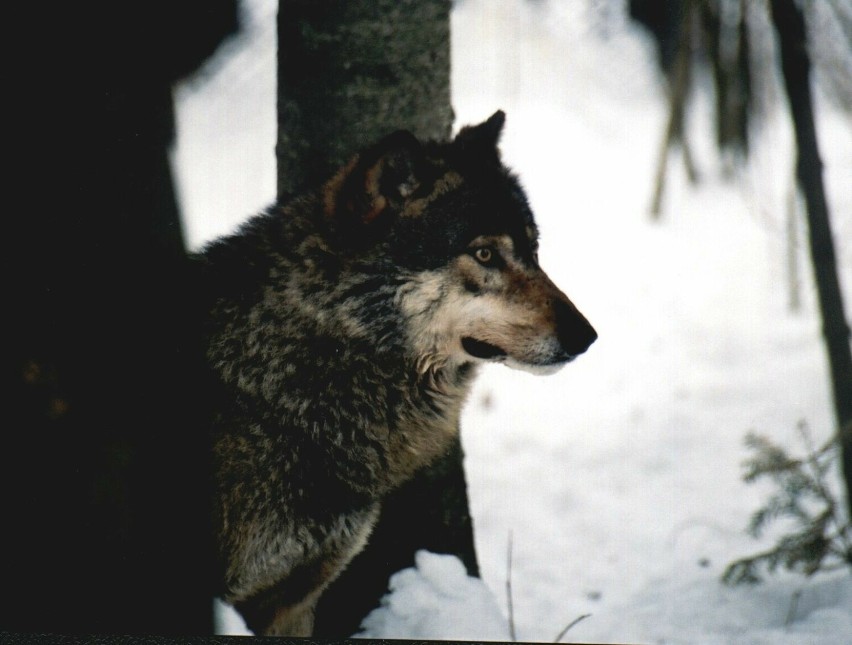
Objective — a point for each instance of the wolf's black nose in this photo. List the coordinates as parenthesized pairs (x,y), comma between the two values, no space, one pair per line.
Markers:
(574,332)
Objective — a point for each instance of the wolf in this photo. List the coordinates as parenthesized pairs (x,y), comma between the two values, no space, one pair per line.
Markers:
(346,328)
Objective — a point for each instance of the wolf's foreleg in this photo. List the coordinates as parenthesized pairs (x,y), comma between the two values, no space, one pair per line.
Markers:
(287,607)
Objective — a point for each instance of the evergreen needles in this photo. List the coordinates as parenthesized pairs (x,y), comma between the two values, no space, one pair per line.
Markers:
(819,539)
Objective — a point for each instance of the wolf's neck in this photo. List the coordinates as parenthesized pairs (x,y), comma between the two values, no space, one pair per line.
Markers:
(428,420)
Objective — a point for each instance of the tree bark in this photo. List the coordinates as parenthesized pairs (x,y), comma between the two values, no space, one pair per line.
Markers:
(795,64)
(350,73)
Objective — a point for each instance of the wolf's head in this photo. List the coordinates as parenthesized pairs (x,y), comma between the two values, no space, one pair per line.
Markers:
(452,225)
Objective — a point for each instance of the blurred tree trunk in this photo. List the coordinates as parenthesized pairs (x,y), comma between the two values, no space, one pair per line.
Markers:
(705,34)
(795,65)
(349,73)
(103,469)
(679,75)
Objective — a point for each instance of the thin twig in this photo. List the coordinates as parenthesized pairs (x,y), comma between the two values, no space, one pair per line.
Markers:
(569,626)
(794,606)
(509,602)
(811,461)
(791,212)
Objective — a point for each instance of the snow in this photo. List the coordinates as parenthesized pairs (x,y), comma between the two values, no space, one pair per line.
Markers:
(619,478)
(436,599)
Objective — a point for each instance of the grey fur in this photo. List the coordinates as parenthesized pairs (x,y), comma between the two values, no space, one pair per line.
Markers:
(335,336)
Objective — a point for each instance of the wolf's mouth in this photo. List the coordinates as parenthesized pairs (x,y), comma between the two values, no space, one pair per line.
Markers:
(481,349)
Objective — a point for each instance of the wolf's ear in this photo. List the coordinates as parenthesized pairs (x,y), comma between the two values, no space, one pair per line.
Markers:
(481,140)
(375,183)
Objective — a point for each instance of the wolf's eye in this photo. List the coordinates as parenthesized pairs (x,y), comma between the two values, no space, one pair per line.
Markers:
(483,255)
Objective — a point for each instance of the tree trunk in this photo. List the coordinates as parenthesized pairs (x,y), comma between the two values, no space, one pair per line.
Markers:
(352,72)
(103,463)
(679,84)
(349,73)
(790,26)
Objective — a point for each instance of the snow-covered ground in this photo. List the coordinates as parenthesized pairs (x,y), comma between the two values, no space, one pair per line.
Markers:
(619,478)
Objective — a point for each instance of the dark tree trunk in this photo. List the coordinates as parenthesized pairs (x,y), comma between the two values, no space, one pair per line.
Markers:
(795,64)
(102,458)
(352,72)
(349,73)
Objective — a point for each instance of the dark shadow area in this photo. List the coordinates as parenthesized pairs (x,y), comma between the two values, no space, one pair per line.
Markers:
(103,457)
